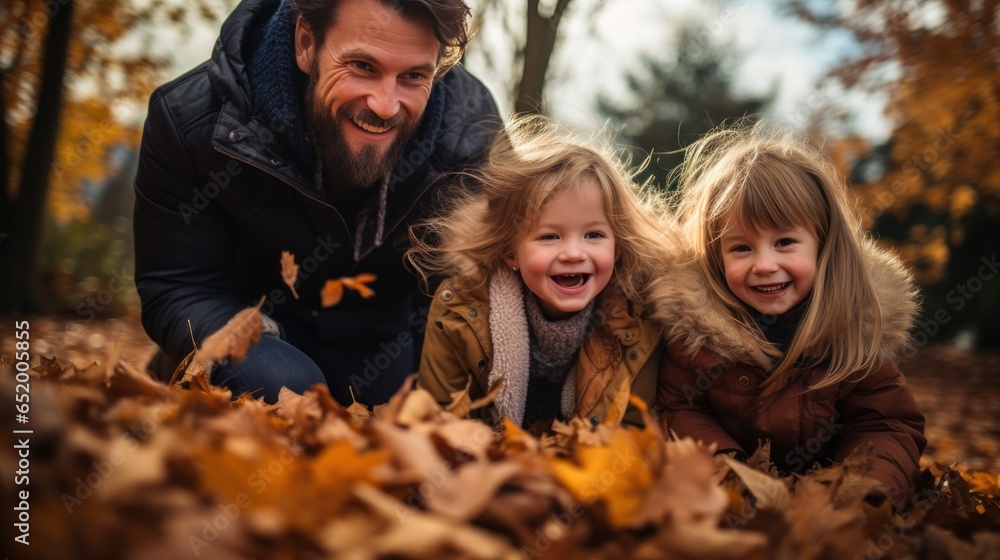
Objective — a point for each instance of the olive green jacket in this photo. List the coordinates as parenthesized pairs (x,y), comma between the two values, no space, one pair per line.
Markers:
(623,348)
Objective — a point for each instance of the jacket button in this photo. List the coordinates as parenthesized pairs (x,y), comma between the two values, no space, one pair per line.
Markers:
(627,336)
(481,363)
(235,136)
(446,295)
(633,355)
(594,421)
(473,313)
(275,162)
(744,381)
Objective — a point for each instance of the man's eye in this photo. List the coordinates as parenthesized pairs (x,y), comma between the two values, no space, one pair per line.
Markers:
(415,76)
(360,65)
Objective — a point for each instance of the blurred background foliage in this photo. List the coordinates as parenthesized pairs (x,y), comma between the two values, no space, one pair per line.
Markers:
(75,76)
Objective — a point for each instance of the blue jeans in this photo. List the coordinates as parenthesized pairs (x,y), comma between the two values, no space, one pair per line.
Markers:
(269,366)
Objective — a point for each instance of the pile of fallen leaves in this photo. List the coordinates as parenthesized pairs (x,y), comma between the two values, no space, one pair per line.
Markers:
(122,466)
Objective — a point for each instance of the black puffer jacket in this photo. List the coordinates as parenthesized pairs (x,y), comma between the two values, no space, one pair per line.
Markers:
(222,189)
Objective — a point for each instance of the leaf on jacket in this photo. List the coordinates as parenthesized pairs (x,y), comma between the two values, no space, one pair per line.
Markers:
(289,271)
(332,293)
(333,290)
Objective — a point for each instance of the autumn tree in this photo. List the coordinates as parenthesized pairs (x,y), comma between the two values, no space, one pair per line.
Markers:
(677,99)
(64,74)
(933,189)
(533,33)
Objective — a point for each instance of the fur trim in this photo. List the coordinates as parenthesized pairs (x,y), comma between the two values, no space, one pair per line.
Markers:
(511,346)
(681,302)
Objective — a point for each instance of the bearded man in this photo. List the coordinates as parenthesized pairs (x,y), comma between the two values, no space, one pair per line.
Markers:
(322,128)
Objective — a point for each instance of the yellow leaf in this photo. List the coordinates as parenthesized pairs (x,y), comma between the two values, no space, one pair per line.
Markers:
(614,475)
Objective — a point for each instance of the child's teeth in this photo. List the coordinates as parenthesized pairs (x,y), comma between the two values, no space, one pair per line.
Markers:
(771,289)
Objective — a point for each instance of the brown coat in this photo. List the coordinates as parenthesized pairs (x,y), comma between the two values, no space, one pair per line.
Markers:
(714,385)
(622,347)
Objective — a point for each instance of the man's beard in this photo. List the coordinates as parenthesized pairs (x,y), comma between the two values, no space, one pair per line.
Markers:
(342,166)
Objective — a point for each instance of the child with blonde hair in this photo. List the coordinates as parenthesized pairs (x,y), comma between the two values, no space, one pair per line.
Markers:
(783,320)
(546,260)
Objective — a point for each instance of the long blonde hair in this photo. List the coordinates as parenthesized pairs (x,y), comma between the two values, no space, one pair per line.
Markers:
(533,160)
(763,179)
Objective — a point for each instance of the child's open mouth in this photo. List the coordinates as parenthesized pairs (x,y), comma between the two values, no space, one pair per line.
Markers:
(772,288)
(571,280)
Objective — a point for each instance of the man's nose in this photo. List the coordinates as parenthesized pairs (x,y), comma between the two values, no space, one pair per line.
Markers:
(384,99)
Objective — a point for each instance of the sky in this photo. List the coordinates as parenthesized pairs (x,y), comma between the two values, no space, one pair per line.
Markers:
(777,52)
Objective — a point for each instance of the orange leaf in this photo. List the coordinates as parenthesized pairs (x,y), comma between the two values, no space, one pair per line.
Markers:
(359,284)
(333,292)
(289,271)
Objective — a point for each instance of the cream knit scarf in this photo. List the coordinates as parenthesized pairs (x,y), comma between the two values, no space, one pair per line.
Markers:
(512,348)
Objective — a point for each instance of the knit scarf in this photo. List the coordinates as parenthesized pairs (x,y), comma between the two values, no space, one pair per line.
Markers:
(276,83)
(551,345)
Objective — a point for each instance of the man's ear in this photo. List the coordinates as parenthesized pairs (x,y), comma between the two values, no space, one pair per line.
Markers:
(305,46)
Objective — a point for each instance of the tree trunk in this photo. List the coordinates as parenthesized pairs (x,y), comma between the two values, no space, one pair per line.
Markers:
(538,46)
(5,195)
(19,252)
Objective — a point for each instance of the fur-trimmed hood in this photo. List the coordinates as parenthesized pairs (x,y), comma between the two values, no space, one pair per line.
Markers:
(681,300)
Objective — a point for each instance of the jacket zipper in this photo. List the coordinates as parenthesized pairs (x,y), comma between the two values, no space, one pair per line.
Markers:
(343,223)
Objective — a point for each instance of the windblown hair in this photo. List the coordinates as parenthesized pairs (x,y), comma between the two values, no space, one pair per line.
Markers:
(760,180)
(495,204)
(448,18)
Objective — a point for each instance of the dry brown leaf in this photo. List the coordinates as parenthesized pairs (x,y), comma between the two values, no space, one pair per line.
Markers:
(358,414)
(461,402)
(471,437)
(289,272)
(414,451)
(466,493)
(302,409)
(418,407)
(771,493)
(685,490)
(413,534)
(234,339)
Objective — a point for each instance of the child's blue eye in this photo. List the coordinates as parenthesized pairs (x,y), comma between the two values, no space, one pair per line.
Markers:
(595,235)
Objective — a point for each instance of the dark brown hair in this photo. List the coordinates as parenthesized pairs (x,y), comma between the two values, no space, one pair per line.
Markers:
(448,18)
